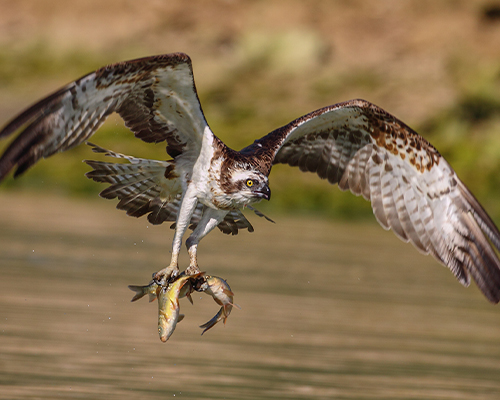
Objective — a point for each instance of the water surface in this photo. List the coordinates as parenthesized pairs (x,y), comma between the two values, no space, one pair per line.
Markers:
(328,311)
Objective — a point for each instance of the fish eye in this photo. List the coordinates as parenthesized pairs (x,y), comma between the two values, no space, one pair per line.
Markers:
(249,182)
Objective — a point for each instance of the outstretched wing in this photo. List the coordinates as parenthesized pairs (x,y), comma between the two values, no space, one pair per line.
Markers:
(156,97)
(412,189)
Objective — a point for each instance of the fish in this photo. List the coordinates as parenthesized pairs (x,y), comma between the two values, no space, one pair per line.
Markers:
(152,289)
(168,304)
(219,289)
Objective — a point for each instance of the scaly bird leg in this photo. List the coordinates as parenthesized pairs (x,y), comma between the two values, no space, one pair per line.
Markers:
(188,205)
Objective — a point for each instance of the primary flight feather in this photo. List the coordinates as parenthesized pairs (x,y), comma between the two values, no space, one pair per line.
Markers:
(354,144)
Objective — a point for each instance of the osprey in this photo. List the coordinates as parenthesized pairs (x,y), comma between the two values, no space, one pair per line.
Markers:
(354,144)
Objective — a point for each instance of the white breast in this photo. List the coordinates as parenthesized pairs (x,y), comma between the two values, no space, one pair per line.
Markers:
(203,171)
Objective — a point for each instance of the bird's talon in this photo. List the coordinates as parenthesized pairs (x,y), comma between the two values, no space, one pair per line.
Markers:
(165,276)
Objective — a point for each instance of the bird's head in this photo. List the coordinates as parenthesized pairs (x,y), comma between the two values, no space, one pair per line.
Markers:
(249,184)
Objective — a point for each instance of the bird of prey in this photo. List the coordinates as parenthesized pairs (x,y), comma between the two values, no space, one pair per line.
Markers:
(205,184)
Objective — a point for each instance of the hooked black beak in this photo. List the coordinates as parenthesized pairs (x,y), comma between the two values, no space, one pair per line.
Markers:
(264,192)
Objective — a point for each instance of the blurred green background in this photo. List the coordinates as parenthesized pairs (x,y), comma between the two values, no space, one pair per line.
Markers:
(260,64)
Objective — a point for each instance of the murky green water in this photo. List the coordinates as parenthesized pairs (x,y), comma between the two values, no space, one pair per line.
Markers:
(328,311)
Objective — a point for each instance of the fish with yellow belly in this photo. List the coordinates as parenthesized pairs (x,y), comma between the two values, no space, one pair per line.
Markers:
(168,304)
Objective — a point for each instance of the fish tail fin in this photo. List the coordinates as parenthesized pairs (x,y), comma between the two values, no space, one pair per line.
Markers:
(139,292)
(210,324)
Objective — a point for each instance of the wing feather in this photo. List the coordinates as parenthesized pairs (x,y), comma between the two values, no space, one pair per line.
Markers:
(155,96)
(374,169)
(412,189)
(413,229)
(326,156)
(388,186)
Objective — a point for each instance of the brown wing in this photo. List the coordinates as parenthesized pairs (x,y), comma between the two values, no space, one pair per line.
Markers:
(412,189)
(156,97)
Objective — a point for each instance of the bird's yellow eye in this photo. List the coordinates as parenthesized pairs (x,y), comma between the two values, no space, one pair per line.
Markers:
(249,183)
